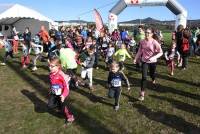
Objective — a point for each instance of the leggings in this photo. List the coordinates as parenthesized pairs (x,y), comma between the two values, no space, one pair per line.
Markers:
(54,101)
(152,69)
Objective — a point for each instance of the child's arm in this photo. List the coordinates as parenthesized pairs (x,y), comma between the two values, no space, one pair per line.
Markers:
(166,57)
(158,51)
(124,78)
(178,56)
(109,80)
(116,53)
(138,55)
(41,48)
(65,90)
(128,55)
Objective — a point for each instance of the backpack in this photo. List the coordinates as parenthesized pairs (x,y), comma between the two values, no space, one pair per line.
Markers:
(185,45)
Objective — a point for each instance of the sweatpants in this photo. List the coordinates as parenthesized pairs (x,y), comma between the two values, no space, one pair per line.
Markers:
(55,102)
(152,69)
(87,73)
(36,58)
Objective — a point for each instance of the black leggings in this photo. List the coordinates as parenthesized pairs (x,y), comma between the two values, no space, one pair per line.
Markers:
(116,92)
(8,54)
(152,70)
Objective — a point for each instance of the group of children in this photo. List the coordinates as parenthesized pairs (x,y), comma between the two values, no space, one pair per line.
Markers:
(63,66)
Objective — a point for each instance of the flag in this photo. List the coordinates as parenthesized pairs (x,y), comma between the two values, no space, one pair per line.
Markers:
(98,20)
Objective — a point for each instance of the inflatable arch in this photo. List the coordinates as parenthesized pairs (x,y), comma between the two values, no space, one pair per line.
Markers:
(172,5)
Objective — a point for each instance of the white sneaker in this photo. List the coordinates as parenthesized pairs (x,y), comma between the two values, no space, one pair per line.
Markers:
(141,98)
(3,64)
(34,68)
(116,107)
(180,64)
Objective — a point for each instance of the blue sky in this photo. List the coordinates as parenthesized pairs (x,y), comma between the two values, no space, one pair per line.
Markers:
(73,9)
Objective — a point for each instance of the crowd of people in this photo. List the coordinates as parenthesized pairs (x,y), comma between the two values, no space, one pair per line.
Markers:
(69,47)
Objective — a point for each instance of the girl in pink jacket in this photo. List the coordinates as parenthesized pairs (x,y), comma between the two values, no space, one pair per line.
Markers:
(59,89)
(148,53)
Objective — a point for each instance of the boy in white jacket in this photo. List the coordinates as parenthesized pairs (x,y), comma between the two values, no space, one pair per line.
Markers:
(38,49)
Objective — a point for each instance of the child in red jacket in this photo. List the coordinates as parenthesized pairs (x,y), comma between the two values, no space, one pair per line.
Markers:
(59,89)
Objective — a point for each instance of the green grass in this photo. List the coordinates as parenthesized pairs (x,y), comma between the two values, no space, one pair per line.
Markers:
(173,107)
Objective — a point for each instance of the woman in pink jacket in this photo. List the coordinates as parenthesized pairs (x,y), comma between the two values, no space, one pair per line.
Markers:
(148,53)
(59,90)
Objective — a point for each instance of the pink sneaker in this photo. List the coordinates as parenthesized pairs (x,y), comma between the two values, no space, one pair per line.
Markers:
(71,119)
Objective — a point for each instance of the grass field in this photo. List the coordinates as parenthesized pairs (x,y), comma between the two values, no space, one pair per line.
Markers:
(170,108)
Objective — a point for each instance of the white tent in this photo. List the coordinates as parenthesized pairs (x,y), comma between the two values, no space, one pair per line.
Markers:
(21,17)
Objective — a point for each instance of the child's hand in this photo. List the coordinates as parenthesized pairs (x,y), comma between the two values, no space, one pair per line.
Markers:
(134,61)
(62,98)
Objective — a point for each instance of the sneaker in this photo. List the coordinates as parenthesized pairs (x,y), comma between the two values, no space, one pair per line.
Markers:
(171,73)
(116,107)
(184,68)
(71,119)
(3,64)
(154,82)
(24,66)
(180,65)
(34,68)
(141,98)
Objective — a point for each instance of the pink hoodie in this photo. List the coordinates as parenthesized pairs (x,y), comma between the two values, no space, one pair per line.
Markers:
(149,51)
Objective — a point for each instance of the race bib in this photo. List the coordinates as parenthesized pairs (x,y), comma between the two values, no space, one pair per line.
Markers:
(116,82)
(104,45)
(56,89)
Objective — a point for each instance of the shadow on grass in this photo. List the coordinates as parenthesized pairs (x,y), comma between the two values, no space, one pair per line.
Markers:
(103,83)
(87,122)
(130,98)
(165,77)
(39,105)
(165,89)
(93,98)
(168,119)
(103,67)
(180,105)
(43,77)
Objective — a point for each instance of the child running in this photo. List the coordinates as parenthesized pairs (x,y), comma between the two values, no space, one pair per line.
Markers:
(38,49)
(59,89)
(121,56)
(115,79)
(109,54)
(87,67)
(170,55)
(8,48)
(25,59)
